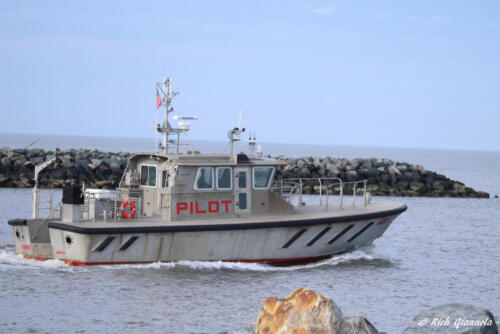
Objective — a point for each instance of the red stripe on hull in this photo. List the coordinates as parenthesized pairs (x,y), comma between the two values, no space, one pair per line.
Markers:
(35,258)
(277,262)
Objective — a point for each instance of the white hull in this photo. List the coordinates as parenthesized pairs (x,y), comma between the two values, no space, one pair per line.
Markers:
(281,244)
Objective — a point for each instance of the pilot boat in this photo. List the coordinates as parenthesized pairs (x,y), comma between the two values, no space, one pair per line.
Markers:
(173,206)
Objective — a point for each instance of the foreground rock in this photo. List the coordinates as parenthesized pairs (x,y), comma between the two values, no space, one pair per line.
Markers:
(453,319)
(303,311)
(104,170)
(355,325)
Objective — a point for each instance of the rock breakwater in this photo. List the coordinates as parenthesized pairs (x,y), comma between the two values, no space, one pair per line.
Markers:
(385,177)
(104,170)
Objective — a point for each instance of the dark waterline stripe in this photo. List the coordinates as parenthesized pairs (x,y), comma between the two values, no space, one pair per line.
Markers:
(360,231)
(344,231)
(294,238)
(319,235)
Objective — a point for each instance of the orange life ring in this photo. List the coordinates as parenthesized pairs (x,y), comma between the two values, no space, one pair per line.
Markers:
(124,213)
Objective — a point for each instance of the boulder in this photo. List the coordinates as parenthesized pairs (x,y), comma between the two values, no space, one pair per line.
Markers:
(317,188)
(401,186)
(303,311)
(26,181)
(37,160)
(453,319)
(393,171)
(356,162)
(333,171)
(402,167)
(307,190)
(482,194)
(438,185)
(4,178)
(416,186)
(355,325)
(373,171)
(372,188)
(351,175)
(367,163)
(104,184)
(341,163)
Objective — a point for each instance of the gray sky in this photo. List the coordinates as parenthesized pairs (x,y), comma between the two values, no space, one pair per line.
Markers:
(385,73)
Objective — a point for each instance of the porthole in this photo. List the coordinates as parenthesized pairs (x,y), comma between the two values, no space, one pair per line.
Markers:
(68,240)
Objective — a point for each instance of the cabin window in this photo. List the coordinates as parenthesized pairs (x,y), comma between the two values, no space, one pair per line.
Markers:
(242,180)
(262,177)
(242,201)
(224,178)
(148,175)
(164,179)
(205,178)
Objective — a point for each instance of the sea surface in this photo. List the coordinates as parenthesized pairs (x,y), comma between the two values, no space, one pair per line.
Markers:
(441,250)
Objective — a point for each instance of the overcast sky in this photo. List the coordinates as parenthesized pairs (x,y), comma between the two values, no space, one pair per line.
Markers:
(422,74)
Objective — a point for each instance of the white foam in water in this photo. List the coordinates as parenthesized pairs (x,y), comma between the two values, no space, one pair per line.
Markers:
(356,255)
(9,260)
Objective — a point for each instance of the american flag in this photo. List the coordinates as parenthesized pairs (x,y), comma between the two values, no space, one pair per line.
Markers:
(158,100)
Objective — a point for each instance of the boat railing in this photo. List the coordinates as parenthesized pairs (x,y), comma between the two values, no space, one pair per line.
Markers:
(45,205)
(108,206)
(290,188)
(286,189)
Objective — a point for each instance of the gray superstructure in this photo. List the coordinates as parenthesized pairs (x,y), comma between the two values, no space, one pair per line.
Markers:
(203,207)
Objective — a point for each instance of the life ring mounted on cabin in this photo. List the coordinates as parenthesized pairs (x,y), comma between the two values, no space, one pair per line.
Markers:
(125,214)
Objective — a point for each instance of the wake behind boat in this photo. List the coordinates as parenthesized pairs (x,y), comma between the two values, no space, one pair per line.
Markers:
(174,206)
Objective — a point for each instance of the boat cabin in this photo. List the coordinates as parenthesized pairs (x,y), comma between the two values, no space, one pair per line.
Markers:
(190,186)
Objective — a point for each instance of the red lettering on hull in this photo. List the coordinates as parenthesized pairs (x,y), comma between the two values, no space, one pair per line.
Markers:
(181,206)
(210,206)
(198,211)
(194,207)
(226,205)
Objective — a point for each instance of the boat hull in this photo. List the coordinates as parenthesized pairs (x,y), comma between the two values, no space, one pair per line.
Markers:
(268,245)
(276,242)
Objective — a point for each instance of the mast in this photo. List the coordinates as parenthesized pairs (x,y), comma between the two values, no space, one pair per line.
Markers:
(165,88)
(183,122)
(167,98)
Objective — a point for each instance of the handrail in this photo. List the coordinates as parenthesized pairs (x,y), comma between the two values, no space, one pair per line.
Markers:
(337,182)
(112,204)
(38,200)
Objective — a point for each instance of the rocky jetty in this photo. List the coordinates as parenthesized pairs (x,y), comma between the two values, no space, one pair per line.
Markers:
(104,170)
(306,311)
(385,177)
(92,167)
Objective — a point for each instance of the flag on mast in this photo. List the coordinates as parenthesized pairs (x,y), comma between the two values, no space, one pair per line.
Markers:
(158,100)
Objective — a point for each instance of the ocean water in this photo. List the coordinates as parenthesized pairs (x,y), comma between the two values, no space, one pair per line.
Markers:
(440,250)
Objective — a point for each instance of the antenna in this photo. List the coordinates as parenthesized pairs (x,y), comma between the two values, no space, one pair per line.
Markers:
(239,121)
(251,142)
(234,134)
